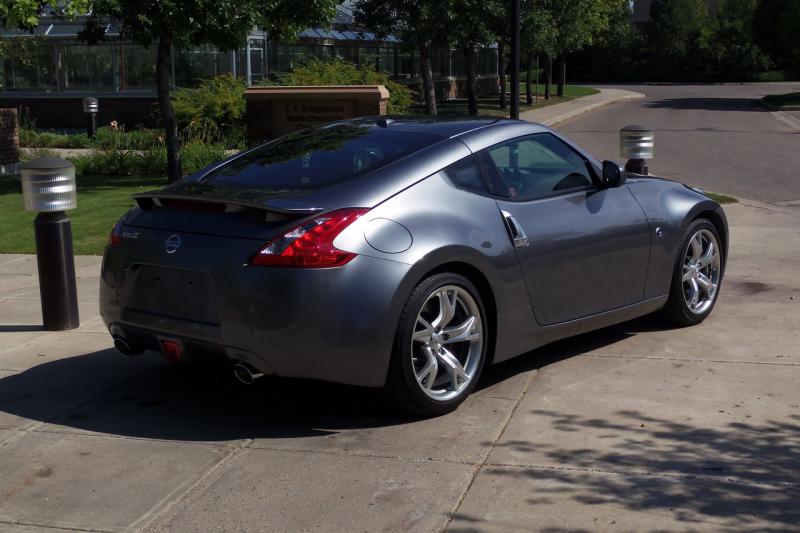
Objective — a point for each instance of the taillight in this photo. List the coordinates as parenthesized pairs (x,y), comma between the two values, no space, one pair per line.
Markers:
(310,244)
(114,238)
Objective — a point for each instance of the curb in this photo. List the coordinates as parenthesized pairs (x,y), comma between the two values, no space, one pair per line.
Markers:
(784,210)
(591,107)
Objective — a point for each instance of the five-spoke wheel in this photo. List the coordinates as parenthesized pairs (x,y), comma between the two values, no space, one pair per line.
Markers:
(440,346)
(447,342)
(697,276)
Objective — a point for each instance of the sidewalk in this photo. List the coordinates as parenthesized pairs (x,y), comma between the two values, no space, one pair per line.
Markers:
(632,428)
(554,114)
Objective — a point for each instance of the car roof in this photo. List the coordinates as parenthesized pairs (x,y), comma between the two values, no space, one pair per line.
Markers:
(445,127)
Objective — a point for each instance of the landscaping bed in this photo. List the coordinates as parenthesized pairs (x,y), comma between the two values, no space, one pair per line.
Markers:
(788,101)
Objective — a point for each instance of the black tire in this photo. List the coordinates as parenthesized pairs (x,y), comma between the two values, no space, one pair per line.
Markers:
(676,309)
(402,389)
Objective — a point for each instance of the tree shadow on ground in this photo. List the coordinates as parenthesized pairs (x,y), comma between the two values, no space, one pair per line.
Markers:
(742,476)
(702,473)
(707,104)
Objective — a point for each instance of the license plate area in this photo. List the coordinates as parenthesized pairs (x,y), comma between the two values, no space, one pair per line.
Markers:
(175,293)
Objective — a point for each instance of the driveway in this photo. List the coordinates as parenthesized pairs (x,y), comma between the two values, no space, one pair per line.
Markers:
(717,137)
(634,427)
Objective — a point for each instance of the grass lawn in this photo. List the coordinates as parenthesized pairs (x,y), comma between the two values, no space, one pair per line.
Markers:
(101,201)
(490,105)
(783,101)
(721,198)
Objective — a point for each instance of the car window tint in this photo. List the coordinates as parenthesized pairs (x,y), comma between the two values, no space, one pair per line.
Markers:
(319,157)
(537,166)
(465,175)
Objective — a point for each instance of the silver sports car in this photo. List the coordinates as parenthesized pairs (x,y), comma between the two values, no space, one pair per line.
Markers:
(405,254)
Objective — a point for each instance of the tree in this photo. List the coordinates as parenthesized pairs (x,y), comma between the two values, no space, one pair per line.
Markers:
(617,53)
(578,24)
(419,24)
(538,38)
(680,40)
(469,28)
(739,55)
(24,14)
(776,23)
(176,23)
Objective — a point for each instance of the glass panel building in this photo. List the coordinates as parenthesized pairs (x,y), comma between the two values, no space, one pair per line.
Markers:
(44,71)
(52,59)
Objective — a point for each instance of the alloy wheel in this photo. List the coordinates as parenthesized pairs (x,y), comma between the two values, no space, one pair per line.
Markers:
(701,271)
(447,343)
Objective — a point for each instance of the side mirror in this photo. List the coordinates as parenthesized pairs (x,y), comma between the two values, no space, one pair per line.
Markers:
(613,176)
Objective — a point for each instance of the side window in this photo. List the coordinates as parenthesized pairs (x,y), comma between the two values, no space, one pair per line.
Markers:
(536,166)
(465,175)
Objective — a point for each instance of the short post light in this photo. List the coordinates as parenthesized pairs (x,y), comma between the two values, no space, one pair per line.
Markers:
(48,187)
(91,106)
(636,144)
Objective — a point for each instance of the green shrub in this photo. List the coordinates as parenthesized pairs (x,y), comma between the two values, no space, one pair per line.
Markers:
(28,137)
(149,162)
(118,139)
(107,162)
(153,161)
(212,112)
(339,72)
(79,140)
(196,156)
(36,154)
(771,75)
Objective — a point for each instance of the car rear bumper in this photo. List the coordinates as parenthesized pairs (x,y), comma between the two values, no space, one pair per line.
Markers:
(335,324)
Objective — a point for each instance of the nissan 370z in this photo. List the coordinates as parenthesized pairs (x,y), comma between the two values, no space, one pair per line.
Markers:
(406,254)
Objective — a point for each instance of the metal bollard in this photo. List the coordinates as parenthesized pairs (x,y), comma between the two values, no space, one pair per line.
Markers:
(91,106)
(48,186)
(636,144)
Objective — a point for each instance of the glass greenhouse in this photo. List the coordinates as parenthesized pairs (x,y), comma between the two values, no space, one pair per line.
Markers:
(53,60)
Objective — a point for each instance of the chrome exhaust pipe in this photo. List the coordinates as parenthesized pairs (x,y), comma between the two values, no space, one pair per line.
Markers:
(125,348)
(245,374)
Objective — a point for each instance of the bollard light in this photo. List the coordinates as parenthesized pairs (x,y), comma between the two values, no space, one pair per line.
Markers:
(91,106)
(636,144)
(48,187)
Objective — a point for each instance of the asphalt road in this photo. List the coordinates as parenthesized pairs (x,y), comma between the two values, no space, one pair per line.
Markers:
(716,137)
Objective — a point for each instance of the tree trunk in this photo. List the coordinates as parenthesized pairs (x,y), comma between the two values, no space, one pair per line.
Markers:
(562,75)
(501,71)
(428,90)
(548,76)
(163,75)
(529,81)
(472,80)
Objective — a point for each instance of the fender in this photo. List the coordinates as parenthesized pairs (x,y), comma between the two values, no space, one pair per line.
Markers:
(670,207)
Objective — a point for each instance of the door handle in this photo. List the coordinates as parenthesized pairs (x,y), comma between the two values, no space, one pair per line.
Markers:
(518,237)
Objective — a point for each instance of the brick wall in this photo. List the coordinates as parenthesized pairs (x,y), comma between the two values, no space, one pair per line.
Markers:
(9,136)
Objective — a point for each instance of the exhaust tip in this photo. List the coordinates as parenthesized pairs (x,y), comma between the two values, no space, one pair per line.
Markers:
(124,347)
(245,374)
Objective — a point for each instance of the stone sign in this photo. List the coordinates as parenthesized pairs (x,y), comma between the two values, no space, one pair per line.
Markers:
(275,111)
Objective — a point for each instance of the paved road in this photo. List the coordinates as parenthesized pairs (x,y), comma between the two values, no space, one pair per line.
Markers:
(716,137)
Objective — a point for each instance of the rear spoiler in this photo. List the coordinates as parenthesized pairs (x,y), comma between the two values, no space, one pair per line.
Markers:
(274,209)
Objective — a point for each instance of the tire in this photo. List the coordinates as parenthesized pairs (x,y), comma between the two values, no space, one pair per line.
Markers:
(426,356)
(682,308)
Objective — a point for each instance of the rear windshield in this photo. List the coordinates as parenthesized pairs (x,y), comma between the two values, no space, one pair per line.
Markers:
(320,157)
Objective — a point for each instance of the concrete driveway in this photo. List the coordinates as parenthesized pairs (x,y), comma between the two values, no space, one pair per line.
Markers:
(632,428)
